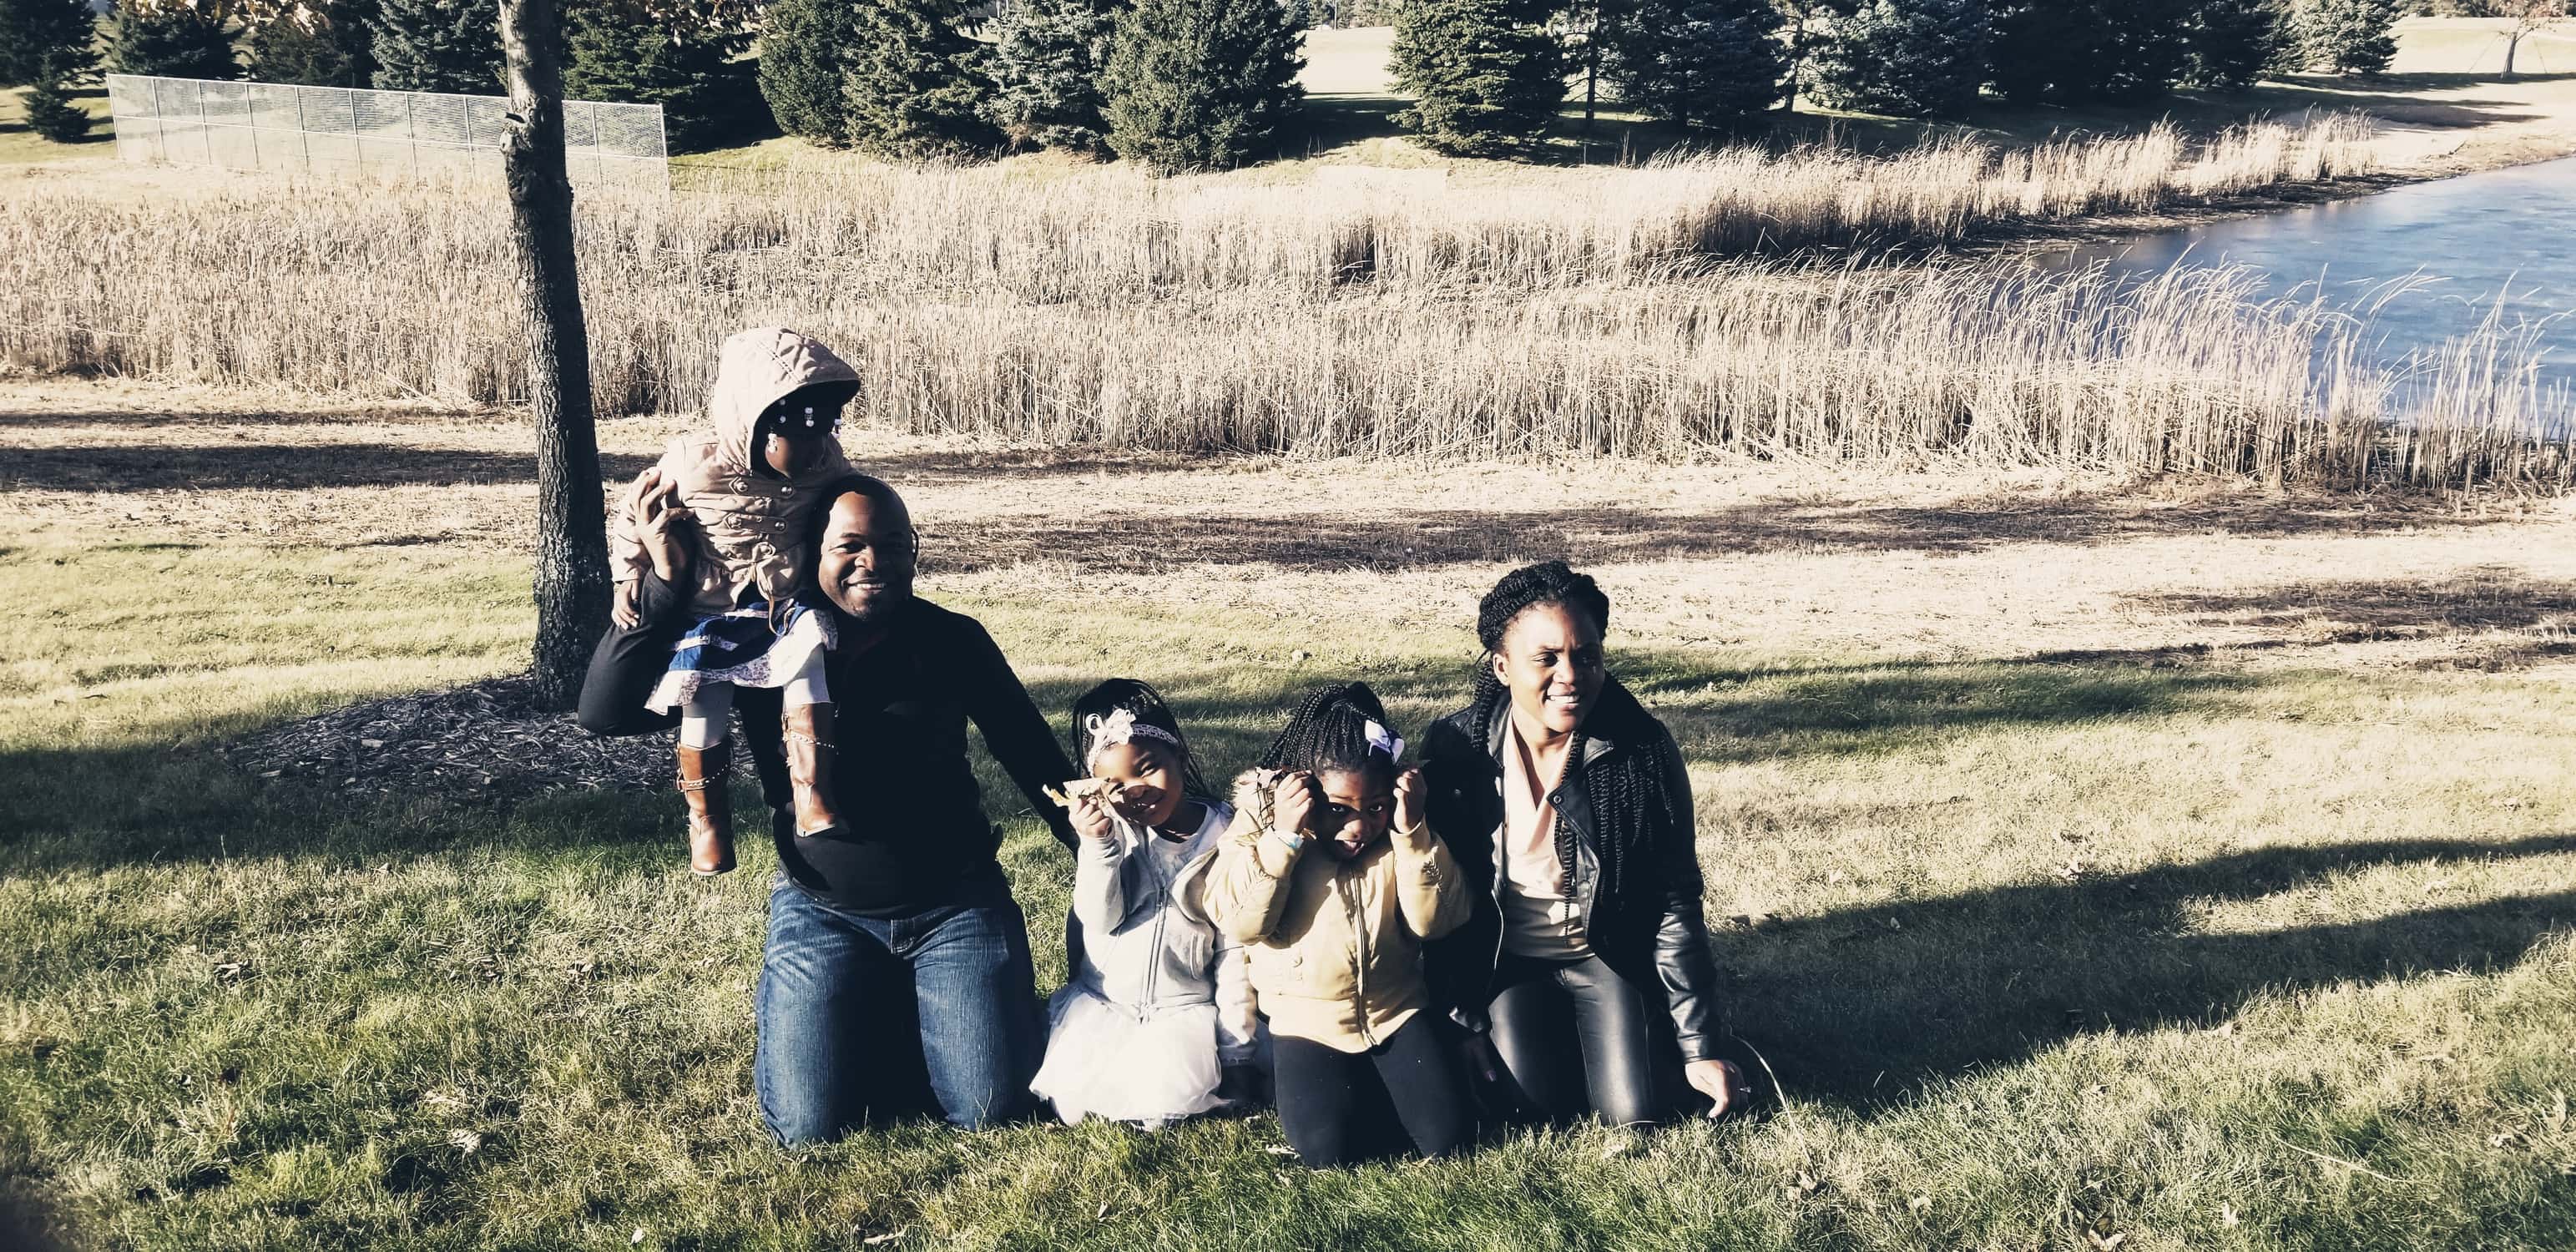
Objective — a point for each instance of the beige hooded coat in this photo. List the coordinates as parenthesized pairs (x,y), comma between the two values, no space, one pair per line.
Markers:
(752,525)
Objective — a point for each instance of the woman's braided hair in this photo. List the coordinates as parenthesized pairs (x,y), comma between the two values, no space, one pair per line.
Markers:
(1631,807)
(1329,731)
(1146,705)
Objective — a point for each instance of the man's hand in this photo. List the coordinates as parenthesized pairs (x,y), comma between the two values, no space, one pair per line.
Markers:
(1721,1082)
(1408,807)
(1292,802)
(626,607)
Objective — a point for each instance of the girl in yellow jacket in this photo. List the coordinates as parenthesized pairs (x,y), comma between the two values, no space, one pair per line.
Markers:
(1332,881)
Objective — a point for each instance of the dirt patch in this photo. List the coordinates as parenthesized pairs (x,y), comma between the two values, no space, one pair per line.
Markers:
(487,741)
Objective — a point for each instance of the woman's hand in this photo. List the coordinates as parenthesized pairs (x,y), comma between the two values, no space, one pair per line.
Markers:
(626,606)
(1484,1061)
(1408,807)
(1292,802)
(1721,1082)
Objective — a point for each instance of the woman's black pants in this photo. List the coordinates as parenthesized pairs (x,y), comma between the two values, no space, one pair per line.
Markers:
(1576,1039)
(1338,1107)
(629,662)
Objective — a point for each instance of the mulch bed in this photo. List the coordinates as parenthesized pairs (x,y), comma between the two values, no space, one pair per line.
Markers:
(484,741)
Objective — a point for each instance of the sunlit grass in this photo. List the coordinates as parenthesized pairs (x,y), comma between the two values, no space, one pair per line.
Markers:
(2043,955)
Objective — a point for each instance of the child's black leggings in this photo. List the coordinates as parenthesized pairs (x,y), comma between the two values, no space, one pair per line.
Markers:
(1338,1107)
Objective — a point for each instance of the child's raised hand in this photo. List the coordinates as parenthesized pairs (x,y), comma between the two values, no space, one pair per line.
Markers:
(1089,812)
(1292,801)
(658,518)
(1408,802)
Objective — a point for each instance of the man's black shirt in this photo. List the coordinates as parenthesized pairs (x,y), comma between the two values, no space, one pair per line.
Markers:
(914,832)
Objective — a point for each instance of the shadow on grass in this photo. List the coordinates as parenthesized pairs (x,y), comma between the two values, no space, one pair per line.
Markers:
(1419,539)
(106,807)
(1860,1005)
(261,467)
(2480,598)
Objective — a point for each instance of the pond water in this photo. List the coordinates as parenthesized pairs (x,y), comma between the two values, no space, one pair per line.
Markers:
(2425,262)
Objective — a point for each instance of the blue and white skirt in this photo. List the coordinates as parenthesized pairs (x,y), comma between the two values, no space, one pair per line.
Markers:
(743,648)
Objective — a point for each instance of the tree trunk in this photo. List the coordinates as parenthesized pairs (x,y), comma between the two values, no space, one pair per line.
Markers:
(1798,53)
(572,539)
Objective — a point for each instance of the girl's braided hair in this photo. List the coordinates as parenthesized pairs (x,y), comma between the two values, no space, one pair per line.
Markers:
(1329,731)
(1631,807)
(1145,704)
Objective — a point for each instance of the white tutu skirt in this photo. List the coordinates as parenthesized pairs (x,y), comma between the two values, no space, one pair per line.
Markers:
(1106,1061)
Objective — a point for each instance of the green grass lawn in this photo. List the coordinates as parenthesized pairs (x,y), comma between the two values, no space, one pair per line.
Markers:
(19,145)
(2043,955)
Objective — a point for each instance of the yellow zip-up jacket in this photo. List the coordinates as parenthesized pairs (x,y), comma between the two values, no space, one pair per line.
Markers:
(1335,946)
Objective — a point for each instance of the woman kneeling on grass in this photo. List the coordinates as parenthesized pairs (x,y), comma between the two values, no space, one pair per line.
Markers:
(1332,880)
(1569,809)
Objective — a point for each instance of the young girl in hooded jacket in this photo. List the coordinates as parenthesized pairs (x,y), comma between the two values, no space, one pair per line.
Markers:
(739,497)
(1157,1023)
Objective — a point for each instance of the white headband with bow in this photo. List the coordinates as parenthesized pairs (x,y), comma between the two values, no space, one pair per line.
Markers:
(1121,726)
(1383,740)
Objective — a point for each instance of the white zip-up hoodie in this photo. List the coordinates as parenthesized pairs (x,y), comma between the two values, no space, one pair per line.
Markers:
(1147,943)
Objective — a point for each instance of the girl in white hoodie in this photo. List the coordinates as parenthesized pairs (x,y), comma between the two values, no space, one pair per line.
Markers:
(1157,1023)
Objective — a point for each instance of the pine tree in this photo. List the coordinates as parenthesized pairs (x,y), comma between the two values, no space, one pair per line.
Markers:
(1046,67)
(914,82)
(1699,62)
(2229,43)
(438,45)
(2076,51)
(170,42)
(1201,84)
(41,35)
(50,111)
(337,50)
(1486,76)
(2145,49)
(2348,36)
(2043,50)
(800,66)
(1910,58)
(618,51)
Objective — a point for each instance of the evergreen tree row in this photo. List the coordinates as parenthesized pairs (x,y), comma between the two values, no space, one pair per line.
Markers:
(1173,84)
(617,50)
(1931,58)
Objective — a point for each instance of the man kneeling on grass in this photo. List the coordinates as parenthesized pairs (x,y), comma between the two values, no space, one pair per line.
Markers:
(897,975)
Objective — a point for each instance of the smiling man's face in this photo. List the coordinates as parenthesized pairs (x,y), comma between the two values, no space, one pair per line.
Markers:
(868,553)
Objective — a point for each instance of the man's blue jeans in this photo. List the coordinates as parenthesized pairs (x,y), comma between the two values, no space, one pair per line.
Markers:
(858,1015)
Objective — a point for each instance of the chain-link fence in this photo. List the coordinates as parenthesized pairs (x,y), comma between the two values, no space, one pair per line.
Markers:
(335,130)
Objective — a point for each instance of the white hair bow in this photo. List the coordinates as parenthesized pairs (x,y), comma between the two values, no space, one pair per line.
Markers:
(1383,740)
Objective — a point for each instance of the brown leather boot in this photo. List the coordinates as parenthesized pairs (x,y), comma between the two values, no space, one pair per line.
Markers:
(703,773)
(807,731)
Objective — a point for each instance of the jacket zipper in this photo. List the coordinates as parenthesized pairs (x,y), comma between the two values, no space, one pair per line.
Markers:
(1359,954)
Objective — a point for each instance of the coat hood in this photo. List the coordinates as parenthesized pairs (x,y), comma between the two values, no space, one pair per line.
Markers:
(758,367)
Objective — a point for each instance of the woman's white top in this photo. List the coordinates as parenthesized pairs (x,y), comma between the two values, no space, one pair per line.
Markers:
(1541,918)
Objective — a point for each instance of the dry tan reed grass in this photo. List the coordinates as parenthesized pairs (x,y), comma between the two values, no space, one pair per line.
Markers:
(1105,308)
